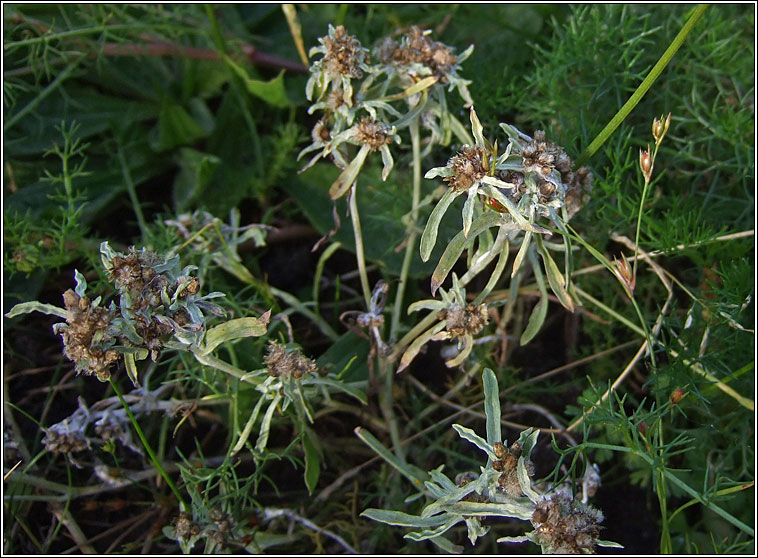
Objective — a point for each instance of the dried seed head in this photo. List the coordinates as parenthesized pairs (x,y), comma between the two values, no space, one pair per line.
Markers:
(469,167)
(417,48)
(567,527)
(372,133)
(578,190)
(466,320)
(64,441)
(321,133)
(86,336)
(344,55)
(542,156)
(290,364)
(500,450)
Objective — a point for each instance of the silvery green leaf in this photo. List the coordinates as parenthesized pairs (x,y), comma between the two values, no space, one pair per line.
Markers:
(442,479)
(476,128)
(386,161)
(34,306)
(429,236)
(515,134)
(537,317)
(262,441)
(349,389)
(468,210)
(492,406)
(475,529)
(555,278)
(439,171)
(496,182)
(512,209)
(474,438)
(448,260)
(426,304)
(402,519)
(608,544)
(521,252)
(235,329)
(411,472)
(519,539)
(171,264)
(107,254)
(431,533)
(509,509)
(348,176)
(131,369)
(504,156)
(413,349)
(525,482)
(465,54)
(81,283)
(468,345)
(450,497)
(528,440)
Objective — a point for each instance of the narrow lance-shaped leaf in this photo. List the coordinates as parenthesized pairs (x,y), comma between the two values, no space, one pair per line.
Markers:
(413,349)
(448,259)
(402,519)
(235,329)
(468,210)
(497,272)
(521,253)
(411,472)
(348,176)
(262,441)
(429,236)
(471,436)
(34,306)
(540,310)
(492,406)
(555,277)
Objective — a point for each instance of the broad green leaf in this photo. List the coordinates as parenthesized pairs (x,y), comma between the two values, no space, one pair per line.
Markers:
(492,406)
(175,127)
(273,92)
(196,172)
(429,236)
(34,306)
(312,459)
(235,329)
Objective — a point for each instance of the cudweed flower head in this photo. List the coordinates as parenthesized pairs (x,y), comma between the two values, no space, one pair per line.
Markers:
(344,60)
(564,526)
(371,136)
(287,364)
(418,56)
(458,319)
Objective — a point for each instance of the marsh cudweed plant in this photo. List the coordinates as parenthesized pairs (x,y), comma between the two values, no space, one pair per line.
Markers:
(502,489)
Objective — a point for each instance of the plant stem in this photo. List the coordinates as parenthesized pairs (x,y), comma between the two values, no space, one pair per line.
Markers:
(147,446)
(354,217)
(412,229)
(639,213)
(132,192)
(643,87)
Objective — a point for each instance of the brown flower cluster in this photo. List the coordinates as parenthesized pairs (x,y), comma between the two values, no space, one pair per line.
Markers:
(463,320)
(344,55)
(507,464)
(372,133)
(567,527)
(84,334)
(541,157)
(64,442)
(417,47)
(290,364)
(469,167)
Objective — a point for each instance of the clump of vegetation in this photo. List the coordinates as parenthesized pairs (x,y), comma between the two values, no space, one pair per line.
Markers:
(249,286)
